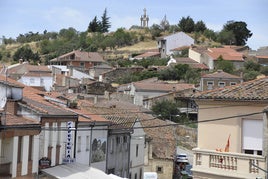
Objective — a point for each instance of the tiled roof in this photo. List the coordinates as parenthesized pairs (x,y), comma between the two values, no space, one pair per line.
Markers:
(125,114)
(35,100)
(162,135)
(14,120)
(226,53)
(220,74)
(199,66)
(11,82)
(255,90)
(185,60)
(262,56)
(80,56)
(147,55)
(26,67)
(167,87)
(180,48)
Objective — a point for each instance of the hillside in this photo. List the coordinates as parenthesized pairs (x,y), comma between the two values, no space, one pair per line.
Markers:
(141,42)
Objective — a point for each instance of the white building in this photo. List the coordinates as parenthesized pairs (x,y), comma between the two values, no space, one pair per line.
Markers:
(167,43)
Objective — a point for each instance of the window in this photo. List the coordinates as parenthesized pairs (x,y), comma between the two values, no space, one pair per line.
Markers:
(233,83)
(79,144)
(117,140)
(159,169)
(136,176)
(42,82)
(221,84)
(82,64)
(210,85)
(259,152)
(31,80)
(137,150)
(249,152)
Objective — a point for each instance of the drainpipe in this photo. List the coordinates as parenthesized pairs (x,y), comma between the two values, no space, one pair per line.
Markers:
(90,149)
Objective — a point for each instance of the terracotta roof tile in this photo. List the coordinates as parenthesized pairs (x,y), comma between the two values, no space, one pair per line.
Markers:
(81,56)
(34,99)
(168,87)
(147,55)
(11,82)
(255,90)
(125,114)
(220,74)
(226,53)
(14,120)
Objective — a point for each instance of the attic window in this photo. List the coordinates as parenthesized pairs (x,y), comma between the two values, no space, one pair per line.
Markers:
(221,84)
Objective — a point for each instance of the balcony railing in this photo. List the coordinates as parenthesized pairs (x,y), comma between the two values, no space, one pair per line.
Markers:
(227,164)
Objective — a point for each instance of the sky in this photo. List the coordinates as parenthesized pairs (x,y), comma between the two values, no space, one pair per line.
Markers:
(22,16)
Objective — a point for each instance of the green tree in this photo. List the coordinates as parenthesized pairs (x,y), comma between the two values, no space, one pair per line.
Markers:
(94,25)
(210,34)
(68,34)
(166,110)
(186,24)
(200,26)
(224,65)
(155,31)
(226,37)
(25,53)
(240,30)
(105,24)
(250,75)
(251,65)
(264,70)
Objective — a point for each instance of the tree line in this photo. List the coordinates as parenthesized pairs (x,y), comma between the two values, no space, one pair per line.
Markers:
(96,37)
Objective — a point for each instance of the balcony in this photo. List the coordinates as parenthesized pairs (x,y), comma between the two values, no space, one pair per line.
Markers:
(213,164)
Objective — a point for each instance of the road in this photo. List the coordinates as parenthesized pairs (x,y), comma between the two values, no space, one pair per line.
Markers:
(186,151)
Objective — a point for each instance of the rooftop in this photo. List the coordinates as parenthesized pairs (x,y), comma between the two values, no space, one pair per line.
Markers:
(255,90)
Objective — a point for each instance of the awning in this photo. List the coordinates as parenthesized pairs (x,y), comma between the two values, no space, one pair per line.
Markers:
(75,171)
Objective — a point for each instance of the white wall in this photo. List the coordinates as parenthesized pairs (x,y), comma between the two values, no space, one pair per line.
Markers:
(83,155)
(37,81)
(177,40)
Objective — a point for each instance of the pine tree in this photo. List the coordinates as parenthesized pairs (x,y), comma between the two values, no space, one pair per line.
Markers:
(105,24)
(94,25)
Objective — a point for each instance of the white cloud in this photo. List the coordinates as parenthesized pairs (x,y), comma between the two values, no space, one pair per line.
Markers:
(65,17)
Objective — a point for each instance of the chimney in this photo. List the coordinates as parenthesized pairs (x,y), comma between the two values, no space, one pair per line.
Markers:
(11,107)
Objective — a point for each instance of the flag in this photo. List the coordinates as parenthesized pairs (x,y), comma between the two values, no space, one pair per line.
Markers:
(227,145)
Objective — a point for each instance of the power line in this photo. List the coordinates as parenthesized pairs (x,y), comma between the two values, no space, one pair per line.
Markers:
(158,126)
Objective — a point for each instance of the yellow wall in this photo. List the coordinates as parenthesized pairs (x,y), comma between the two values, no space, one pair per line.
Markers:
(214,135)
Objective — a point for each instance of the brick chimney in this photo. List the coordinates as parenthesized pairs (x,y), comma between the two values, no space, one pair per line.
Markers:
(12,107)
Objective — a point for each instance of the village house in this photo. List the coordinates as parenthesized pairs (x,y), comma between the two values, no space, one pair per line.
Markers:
(126,138)
(232,134)
(261,55)
(210,56)
(218,79)
(37,76)
(166,44)
(79,60)
(18,135)
(146,89)
(160,146)
(185,60)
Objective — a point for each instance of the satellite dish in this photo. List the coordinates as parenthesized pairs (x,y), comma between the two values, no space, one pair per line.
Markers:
(3,101)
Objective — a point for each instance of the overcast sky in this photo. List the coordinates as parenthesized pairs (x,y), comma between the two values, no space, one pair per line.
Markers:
(21,16)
